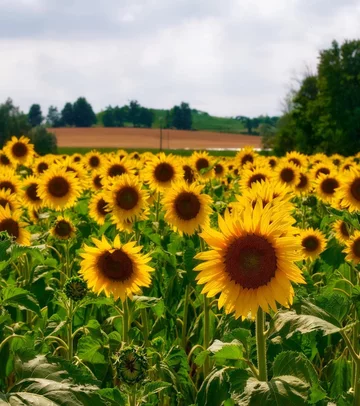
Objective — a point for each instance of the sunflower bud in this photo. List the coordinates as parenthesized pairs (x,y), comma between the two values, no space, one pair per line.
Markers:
(75,288)
(131,365)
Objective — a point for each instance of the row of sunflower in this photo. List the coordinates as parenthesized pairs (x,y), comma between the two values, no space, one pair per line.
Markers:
(263,234)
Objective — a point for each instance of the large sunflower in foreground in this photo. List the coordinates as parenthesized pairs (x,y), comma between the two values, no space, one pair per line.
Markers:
(29,194)
(349,191)
(19,150)
(115,269)
(186,208)
(10,221)
(353,248)
(59,189)
(162,171)
(251,263)
(125,198)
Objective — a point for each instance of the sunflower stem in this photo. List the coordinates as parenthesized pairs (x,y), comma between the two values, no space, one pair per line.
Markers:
(186,312)
(206,334)
(157,207)
(126,321)
(145,323)
(70,338)
(261,344)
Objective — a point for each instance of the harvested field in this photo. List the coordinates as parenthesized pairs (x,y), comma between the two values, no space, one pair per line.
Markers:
(150,138)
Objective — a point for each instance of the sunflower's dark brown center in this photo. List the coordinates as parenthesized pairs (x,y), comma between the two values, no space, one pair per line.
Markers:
(101,207)
(187,206)
(58,186)
(236,171)
(347,167)
(258,177)
(31,192)
(303,181)
(97,181)
(116,170)
(5,184)
(11,226)
(295,161)
(115,265)
(251,261)
(356,248)
(19,149)
(325,171)
(272,163)
(164,172)
(219,169)
(63,228)
(42,167)
(247,158)
(344,230)
(311,243)
(336,161)
(329,185)
(188,174)
(231,167)
(355,189)
(136,156)
(287,175)
(94,161)
(202,163)
(77,159)
(4,202)
(4,159)
(127,198)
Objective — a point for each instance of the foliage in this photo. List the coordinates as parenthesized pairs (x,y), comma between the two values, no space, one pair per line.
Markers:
(83,114)
(44,141)
(67,115)
(180,117)
(53,118)
(35,115)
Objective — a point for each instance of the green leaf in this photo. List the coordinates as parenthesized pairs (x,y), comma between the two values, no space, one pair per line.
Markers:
(155,387)
(201,357)
(144,302)
(279,391)
(115,395)
(89,350)
(338,374)
(233,350)
(214,390)
(21,299)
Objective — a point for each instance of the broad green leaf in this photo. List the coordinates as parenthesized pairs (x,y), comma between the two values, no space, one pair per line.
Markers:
(115,395)
(155,387)
(338,374)
(233,350)
(201,357)
(214,390)
(144,302)
(20,298)
(279,391)
(89,350)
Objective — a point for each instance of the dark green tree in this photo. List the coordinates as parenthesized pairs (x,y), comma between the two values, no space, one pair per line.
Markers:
(35,115)
(44,141)
(134,113)
(12,122)
(108,117)
(146,117)
(84,115)
(181,117)
(120,115)
(67,115)
(53,118)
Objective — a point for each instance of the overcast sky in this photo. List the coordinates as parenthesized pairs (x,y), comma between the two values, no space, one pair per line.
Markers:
(226,57)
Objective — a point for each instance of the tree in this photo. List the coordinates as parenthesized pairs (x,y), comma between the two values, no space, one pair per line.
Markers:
(84,115)
(134,113)
(12,122)
(146,117)
(267,133)
(35,115)
(120,115)
(67,115)
(108,117)
(114,116)
(53,118)
(181,117)
(44,142)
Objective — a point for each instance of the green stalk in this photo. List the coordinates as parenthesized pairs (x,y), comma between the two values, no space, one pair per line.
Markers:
(186,312)
(357,386)
(157,208)
(145,323)
(70,341)
(206,334)
(126,321)
(261,344)
(132,397)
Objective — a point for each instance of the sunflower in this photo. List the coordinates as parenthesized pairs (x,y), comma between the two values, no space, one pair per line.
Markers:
(324,168)
(19,150)
(304,184)
(186,208)
(297,159)
(4,161)
(96,180)
(336,159)
(115,269)
(245,156)
(249,177)
(288,173)
(343,231)
(162,172)
(188,172)
(10,221)
(115,167)
(348,193)
(93,160)
(326,186)
(9,180)
(313,243)
(251,263)
(41,165)
(353,248)
(63,229)
(77,158)
(219,170)
(127,225)
(29,193)
(58,189)
(272,161)
(202,163)
(10,199)
(98,208)
(125,198)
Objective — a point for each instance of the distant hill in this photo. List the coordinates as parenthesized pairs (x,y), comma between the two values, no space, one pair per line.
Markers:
(201,122)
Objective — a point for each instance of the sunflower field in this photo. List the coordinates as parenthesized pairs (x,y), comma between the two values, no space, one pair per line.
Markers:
(143,279)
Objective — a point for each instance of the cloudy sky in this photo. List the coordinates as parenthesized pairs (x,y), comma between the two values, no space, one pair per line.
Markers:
(228,57)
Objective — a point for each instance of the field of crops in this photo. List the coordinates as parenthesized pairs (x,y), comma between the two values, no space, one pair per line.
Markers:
(143,279)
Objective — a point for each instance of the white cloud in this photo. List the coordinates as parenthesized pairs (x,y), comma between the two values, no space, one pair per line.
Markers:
(227,58)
